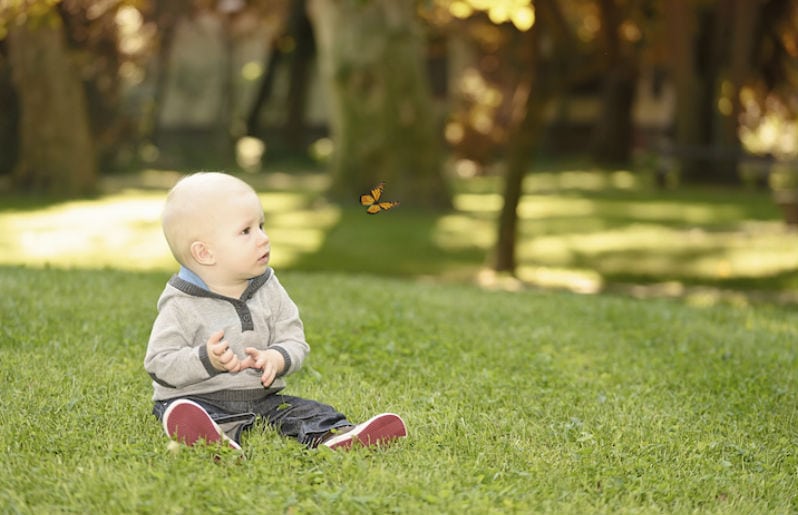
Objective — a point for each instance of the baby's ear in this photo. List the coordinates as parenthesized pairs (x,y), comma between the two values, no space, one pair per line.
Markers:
(201,253)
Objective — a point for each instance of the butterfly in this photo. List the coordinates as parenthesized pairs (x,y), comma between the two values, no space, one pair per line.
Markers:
(371,200)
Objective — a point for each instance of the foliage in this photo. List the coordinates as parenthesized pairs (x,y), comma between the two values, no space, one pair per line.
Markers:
(521,13)
(14,11)
(516,403)
(123,51)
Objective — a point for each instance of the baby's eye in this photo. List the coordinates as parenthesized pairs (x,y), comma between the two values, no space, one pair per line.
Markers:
(245,231)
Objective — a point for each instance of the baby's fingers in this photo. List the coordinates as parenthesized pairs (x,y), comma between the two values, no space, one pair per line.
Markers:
(233,364)
(247,362)
(222,351)
(226,357)
(255,356)
(216,337)
(268,375)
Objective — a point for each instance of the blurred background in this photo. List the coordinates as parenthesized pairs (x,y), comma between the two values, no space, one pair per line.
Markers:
(584,144)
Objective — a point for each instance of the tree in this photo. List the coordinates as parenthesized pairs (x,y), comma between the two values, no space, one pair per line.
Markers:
(300,61)
(295,47)
(543,76)
(95,44)
(165,16)
(611,141)
(56,154)
(523,140)
(711,61)
(9,106)
(382,118)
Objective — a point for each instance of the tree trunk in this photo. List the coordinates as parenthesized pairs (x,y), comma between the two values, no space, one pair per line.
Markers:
(611,140)
(225,132)
(740,18)
(299,70)
(9,121)
(166,17)
(544,70)
(57,155)
(528,115)
(265,89)
(298,60)
(709,63)
(382,119)
(681,19)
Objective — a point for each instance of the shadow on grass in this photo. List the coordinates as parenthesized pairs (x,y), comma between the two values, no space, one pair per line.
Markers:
(397,243)
(719,238)
(786,282)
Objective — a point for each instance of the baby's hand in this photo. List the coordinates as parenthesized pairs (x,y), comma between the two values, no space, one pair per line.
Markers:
(271,362)
(222,358)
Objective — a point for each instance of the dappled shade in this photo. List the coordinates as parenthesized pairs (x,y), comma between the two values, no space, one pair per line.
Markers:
(580,230)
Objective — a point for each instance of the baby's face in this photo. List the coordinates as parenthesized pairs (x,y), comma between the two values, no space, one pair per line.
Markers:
(241,247)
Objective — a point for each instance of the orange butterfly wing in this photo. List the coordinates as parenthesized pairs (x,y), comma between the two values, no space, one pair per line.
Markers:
(385,206)
(371,200)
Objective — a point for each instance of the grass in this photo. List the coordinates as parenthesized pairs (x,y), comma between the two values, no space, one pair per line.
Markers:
(535,401)
(526,402)
(583,231)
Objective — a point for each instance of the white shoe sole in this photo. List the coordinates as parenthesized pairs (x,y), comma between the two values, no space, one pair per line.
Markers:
(377,430)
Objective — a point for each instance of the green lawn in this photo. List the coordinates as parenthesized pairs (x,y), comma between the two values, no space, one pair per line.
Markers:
(532,401)
(526,402)
(584,231)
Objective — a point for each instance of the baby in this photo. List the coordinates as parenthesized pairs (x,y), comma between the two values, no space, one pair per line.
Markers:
(227,333)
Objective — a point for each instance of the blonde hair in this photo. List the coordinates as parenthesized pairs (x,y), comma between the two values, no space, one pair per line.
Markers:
(189,215)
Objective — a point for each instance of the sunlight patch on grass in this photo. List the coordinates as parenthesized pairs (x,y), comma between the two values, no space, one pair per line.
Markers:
(478,203)
(771,254)
(462,231)
(534,206)
(585,180)
(297,232)
(279,202)
(121,231)
(557,206)
(549,206)
(294,227)
(564,247)
(660,251)
(577,243)
(672,211)
(567,237)
(575,280)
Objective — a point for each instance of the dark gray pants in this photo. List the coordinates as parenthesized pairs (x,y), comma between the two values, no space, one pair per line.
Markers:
(306,420)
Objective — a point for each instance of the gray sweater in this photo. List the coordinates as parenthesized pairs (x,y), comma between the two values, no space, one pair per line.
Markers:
(264,317)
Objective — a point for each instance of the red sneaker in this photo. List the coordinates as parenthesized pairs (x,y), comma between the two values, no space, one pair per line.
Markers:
(187,422)
(377,430)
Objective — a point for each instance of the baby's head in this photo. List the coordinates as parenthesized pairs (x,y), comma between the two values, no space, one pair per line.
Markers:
(195,208)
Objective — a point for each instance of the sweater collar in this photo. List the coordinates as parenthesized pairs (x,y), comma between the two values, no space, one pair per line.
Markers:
(188,282)
(189,276)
